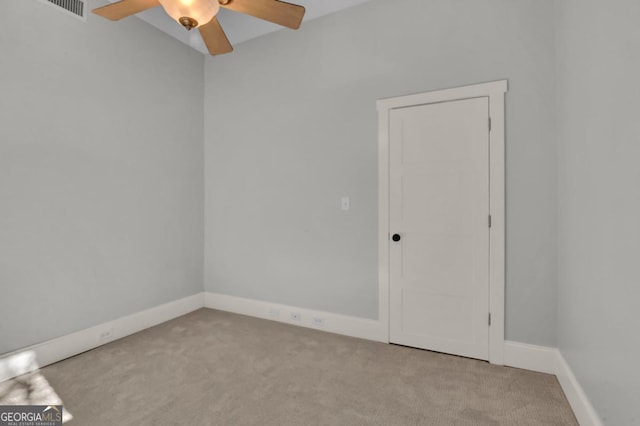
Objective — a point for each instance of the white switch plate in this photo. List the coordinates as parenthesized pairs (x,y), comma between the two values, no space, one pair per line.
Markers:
(345,203)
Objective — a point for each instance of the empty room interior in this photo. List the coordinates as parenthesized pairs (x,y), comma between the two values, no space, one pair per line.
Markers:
(321,212)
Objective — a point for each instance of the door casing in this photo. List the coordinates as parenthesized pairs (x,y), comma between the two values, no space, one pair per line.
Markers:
(495,91)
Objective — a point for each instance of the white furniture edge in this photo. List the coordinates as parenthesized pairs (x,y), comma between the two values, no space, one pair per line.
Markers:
(333,323)
(42,354)
(495,91)
(519,355)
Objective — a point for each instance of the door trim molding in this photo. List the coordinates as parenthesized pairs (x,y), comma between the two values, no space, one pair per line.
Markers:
(495,91)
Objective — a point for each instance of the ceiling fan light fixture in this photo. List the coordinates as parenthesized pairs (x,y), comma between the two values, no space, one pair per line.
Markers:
(201,14)
(191,13)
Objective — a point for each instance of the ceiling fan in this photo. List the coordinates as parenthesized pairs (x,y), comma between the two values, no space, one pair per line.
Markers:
(201,14)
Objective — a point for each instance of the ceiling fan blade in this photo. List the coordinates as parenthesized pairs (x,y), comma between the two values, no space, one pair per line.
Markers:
(215,38)
(281,13)
(124,8)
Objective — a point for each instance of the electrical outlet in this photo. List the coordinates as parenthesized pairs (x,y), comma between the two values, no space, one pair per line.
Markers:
(318,322)
(295,316)
(105,334)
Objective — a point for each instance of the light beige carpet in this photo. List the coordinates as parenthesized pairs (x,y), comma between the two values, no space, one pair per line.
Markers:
(216,368)
(31,389)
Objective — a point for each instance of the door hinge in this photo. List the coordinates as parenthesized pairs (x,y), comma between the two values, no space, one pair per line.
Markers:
(489,123)
(489,318)
(489,221)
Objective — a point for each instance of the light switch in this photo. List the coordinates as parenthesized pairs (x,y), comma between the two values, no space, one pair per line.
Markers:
(345,203)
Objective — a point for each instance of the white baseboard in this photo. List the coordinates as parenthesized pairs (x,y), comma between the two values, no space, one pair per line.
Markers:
(333,323)
(530,357)
(518,355)
(24,360)
(550,360)
(582,408)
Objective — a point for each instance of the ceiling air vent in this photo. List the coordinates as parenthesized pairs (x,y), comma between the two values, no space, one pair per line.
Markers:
(75,8)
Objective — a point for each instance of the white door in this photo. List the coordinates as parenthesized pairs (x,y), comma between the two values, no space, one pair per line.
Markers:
(439,211)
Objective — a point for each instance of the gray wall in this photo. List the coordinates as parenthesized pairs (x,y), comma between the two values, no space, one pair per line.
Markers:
(291,126)
(599,201)
(101,175)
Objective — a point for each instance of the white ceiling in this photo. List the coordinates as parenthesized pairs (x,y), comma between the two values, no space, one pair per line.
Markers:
(240,27)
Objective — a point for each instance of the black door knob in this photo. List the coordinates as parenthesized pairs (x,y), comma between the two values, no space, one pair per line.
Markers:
(396,237)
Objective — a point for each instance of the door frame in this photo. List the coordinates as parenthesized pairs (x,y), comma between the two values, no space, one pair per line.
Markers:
(495,91)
